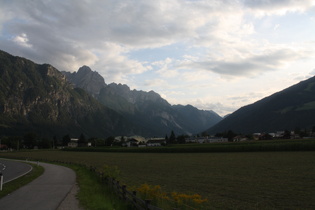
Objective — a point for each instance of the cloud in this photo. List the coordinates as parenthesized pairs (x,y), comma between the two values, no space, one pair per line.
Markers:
(155,82)
(218,107)
(114,64)
(278,7)
(251,65)
(177,47)
(67,33)
(22,40)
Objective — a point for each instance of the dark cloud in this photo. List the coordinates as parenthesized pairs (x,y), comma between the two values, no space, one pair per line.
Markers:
(253,65)
(69,34)
(273,5)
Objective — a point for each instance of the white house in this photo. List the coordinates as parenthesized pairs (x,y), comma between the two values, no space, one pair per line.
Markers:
(73,142)
(156,142)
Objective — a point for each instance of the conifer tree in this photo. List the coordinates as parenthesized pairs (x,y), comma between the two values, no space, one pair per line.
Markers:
(172,137)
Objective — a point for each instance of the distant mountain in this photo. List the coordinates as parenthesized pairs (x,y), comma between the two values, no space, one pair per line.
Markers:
(86,79)
(291,108)
(146,109)
(38,98)
(194,119)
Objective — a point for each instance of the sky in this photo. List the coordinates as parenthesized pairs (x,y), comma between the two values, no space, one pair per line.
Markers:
(216,55)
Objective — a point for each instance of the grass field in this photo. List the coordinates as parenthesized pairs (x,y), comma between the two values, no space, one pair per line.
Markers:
(261,180)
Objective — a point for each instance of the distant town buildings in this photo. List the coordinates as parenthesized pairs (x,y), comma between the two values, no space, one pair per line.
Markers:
(73,143)
(139,141)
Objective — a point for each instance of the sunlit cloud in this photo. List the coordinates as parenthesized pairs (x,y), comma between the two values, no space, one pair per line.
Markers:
(22,40)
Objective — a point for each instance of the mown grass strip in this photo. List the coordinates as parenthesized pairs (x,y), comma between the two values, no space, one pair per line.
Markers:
(20,182)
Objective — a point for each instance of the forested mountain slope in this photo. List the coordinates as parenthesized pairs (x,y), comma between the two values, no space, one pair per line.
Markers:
(290,108)
(38,98)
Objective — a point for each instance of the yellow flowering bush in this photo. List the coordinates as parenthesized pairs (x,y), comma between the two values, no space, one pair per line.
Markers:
(186,199)
(151,192)
(155,194)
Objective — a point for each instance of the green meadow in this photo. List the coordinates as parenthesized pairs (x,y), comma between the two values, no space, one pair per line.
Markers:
(228,180)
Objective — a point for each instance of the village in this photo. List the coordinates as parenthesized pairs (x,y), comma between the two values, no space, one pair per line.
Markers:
(139,141)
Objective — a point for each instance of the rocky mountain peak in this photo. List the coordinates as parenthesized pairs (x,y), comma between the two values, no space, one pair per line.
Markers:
(84,70)
(49,70)
(85,78)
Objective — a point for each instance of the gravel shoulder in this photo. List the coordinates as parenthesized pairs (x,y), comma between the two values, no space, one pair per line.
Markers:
(71,202)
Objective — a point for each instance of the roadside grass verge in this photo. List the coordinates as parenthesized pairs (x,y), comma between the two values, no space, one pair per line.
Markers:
(20,182)
(94,194)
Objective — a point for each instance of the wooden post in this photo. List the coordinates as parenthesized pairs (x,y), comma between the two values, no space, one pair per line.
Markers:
(117,187)
(102,177)
(1,181)
(147,203)
(134,193)
(124,196)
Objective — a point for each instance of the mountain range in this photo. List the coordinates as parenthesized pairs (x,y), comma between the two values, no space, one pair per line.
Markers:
(147,110)
(290,109)
(40,98)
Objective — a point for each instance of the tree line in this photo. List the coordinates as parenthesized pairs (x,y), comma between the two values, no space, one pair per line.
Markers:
(32,140)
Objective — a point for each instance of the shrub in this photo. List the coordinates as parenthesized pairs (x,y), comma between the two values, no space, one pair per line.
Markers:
(110,171)
(174,199)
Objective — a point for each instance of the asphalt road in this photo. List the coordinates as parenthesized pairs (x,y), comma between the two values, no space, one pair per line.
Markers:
(44,193)
(13,169)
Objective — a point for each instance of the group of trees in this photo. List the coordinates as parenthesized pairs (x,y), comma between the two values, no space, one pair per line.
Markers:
(296,133)
(32,140)
(28,141)
(181,139)
(230,135)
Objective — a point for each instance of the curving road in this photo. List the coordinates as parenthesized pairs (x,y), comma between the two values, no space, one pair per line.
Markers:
(13,169)
(45,192)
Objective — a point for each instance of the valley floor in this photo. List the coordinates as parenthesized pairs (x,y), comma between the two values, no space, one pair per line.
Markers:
(237,180)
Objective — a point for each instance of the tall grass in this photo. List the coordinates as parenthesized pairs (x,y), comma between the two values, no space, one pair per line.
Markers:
(93,194)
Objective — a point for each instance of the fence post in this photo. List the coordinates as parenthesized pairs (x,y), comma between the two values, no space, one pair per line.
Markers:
(124,192)
(117,188)
(1,181)
(147,203)
(102,177)
(134,193)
